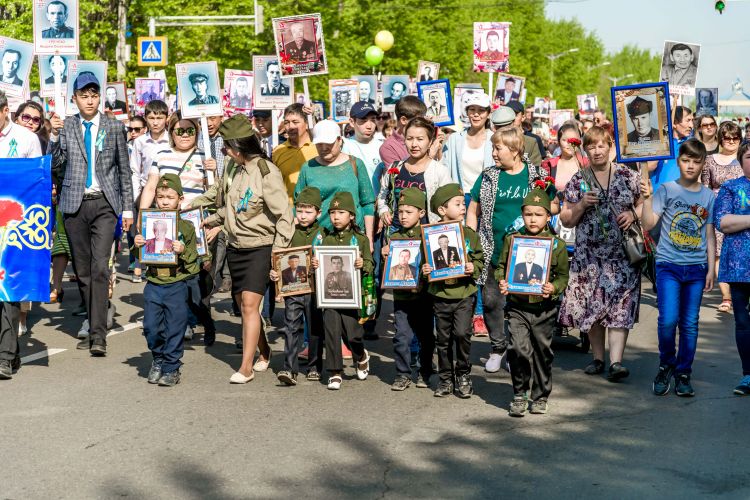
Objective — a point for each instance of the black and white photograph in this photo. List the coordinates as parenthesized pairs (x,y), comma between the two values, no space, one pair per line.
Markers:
(49,66)
(343,95)
(199,89)
(319,110)
(436,94)
(528,264)
(115,100)
(679,66)
(367,89)
(238,85)
(77,67)
(427,70)
(16,58)
(159,228)
(643,128)
(541,107)
(56,29)
(587,104)
(299,45)
(337,283)
(294,270)
(270,89)
(444,250)
(394,88)
(508,88)
(707,101)
(403,264)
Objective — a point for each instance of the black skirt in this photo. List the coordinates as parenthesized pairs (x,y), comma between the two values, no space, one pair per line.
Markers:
(249,269)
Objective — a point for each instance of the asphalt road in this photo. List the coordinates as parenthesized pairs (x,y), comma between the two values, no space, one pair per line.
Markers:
(80,427)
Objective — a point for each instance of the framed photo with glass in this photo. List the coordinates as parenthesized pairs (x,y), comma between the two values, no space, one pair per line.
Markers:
(528,264)
(403,264)
(642,119)
(159,228)
(343,94)
(294,270)
(436,95)
(299,45)
(195,217)
(338,285)
(199,89)
(444,250)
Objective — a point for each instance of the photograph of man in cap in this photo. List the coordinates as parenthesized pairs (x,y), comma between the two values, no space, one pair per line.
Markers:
(57,16)
(294,273)
(58,65)
(397,91)
(240,98)
(679,67)
(199,83)
(639,111)
(273,78)
(343,104)
(435,105)
(508,92)
(338,283)
(300,49)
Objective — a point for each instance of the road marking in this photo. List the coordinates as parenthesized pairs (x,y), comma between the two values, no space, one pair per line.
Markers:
(125,328)
(41,354)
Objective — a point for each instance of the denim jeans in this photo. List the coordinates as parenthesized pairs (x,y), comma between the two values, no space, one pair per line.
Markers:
(679,300)
(741,306)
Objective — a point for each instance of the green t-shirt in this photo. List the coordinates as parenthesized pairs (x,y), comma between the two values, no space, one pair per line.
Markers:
(511,190)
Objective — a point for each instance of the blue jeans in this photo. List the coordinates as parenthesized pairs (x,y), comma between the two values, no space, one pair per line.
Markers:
(165,311)
(679,300)
(741,306)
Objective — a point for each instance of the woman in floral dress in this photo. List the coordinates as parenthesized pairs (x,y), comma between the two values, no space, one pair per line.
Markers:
(604,289)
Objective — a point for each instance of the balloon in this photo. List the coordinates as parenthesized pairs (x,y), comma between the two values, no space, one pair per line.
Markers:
(374,55)
(384,40)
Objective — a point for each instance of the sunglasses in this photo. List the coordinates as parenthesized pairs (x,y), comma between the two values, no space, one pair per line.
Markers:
(708,125)
(189,131)
(135,129)
(33,119)
(731,138)
(383,117)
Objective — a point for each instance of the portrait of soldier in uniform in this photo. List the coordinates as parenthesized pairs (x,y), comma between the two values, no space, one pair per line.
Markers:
(639,111)
(57,15)
(273,76)
(240,99)
(300,49)
(338,283)
(199,84)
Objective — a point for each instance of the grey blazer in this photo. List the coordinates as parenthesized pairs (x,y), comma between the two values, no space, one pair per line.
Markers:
(69,164)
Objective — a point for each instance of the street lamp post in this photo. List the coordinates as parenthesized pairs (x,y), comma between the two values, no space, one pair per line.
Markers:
(615,80)
(552,58)
(605,63)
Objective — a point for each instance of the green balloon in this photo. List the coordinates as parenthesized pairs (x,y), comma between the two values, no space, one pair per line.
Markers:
(374,55)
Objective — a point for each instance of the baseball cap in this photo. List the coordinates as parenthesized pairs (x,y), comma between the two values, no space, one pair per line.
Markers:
(326,132)
(477,99)
(361,109)
(516,106)
(502,116)
(84,79)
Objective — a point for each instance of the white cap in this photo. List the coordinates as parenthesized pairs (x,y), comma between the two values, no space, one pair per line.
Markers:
(326,132)
(477,99)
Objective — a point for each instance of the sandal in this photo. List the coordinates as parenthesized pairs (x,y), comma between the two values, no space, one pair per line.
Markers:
(594,368)
(363,372)
(334,382)
(725,306)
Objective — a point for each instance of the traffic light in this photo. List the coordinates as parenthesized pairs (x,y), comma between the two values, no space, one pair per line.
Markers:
(719,5)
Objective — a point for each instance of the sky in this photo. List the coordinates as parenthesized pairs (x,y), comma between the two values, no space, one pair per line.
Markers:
(724,39)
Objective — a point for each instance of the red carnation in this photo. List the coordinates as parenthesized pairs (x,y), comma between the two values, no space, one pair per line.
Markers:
(574,141)
(393,171)
(284,57)
(550,180)
(10,211)
(540,184)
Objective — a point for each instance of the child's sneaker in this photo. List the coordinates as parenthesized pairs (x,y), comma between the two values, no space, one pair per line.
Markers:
(743,389)
(663,380)
(154,374)
(287,378)
(539,407)
(401,383)
(464,389)
(422,383)
(518,406)
(334,383)
(444,389)
(682,386)
(170,379)
(313,376)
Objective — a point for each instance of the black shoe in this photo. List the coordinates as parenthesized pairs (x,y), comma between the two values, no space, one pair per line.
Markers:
(594,368)
(238,344)
(682,386)
(370,334)
(154,374)
(401,383)
(464,389)
(617,372)
(15,365)
(209,338)
(80,311)
(518,406)
(98,350)
(6,372)
(444,389)
(663,380)
(83,344)
(287,378)
(170,379)
(539,406)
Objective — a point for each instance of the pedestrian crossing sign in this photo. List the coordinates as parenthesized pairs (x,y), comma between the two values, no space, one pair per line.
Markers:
(152,51)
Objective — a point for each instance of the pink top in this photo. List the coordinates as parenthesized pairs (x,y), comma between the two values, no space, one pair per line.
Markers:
(393,149)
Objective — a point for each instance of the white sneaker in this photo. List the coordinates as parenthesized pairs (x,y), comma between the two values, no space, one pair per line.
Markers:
(83,333)
(189,333)
(334,383)
(493,363)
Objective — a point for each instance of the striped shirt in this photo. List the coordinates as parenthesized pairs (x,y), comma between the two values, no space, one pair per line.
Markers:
(190,171)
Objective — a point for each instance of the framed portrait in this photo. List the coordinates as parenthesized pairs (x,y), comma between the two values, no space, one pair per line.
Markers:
(394,88)
(508,88)
(147,90)
(367,89)
(299,45)
(436,95)
(75,68)
(541,107)
(491,47)
(294,270)
(679,66)
(527,269)
(707,101)
(403,264)
(299,98)
(343,95)
(427,70)
(338,284)
(460,93)
(116,100)
(643,124)
(587,104)
(159,228)
(199,89)
(556,119)
(56,28)
(444,250)
(319,110)
(270,90)
(49,66)
(195,217)
(16,57)
(238,87)
(522,100)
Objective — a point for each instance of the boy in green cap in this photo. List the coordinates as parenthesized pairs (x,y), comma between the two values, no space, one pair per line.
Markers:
(453,300)
(301,309)
(411,312)
(344,322)
(165,297)
(532,318)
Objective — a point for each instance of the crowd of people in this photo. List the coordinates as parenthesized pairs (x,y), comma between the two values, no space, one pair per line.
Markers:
(380,179)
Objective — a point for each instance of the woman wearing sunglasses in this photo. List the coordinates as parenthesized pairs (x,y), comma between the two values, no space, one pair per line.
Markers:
(707,130)
(720,168)
(31,115)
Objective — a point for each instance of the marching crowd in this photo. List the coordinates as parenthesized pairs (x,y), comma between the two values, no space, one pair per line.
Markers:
(358,188)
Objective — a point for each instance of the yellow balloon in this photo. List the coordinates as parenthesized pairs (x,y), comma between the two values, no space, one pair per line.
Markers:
(384,40)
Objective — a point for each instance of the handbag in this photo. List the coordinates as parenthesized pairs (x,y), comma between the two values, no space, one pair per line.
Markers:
(634,243)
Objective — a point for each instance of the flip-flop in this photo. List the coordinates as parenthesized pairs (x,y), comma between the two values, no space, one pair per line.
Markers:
(725,306)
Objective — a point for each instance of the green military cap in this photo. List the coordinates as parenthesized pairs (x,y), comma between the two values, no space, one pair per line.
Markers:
(236,127)
(443,194)
(537,197)
(343,201)
(639,106)
(413,197)
(171,181)
(309,196)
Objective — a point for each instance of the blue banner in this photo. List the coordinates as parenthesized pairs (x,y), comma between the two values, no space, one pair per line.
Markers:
(25,229)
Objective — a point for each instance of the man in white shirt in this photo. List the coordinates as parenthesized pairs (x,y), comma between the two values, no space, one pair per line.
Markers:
(15,142)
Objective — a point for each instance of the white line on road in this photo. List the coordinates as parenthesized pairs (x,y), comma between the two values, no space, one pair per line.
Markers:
(125,328)
(41,354)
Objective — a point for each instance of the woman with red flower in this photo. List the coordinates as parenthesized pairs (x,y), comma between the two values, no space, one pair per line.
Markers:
(570,160)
